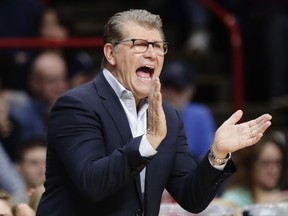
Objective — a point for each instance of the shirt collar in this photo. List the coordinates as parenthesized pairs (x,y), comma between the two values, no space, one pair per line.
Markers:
(119,89)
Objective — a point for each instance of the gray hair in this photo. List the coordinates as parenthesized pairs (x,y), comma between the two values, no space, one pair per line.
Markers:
(113,30)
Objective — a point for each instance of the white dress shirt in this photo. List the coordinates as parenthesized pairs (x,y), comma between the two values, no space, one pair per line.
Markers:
(137,120)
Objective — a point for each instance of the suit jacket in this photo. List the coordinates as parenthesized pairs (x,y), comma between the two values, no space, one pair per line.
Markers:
(93,162)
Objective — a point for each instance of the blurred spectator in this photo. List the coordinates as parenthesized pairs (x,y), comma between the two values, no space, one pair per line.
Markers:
(18,19)
(198,19)
(190,21)
(5,124)
(47,79)
(6,204)
(46,82)
(9,130)
(262,173)
(178,88)
(36,196)
(10,180)
(57,27)
(24,209)
(31,164)
(9,208)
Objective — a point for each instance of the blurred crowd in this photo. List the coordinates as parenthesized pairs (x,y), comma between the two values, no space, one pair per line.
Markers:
(32,79)
(30,82)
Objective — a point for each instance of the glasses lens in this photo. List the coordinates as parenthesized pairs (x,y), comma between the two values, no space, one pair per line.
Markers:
(140,46)
(161,48)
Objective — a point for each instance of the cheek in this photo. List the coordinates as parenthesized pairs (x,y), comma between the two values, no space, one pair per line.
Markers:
(160,66)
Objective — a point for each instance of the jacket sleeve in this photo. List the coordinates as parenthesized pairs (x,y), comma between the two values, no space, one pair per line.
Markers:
(76,133)
(193,185)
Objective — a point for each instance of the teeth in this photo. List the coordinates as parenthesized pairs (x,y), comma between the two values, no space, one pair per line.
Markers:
(149,66)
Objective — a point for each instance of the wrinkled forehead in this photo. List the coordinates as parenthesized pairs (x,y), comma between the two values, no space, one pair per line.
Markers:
(133,29)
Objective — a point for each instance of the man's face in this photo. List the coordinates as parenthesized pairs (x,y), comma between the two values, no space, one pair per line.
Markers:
(49,80)
(136,70)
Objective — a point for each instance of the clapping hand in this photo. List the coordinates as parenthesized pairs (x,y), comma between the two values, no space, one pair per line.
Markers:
(231,136)
(157,128)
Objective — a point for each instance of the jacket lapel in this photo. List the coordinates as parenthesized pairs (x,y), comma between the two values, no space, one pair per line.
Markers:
(113,106)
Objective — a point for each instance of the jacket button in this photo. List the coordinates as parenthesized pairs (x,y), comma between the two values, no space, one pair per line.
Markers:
(138,212)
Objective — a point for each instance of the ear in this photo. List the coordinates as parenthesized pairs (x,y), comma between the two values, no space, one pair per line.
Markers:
(109,53)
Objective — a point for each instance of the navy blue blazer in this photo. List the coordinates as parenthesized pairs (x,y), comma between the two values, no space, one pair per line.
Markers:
(93,162)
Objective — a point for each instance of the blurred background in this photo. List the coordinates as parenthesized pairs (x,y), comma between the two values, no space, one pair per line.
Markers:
(236,52)
(239,48)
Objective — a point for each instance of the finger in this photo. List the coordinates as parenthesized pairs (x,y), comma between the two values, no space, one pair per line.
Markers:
(260,124)
(264,127)
(256,135)
(254,139)
(152,91)
(154,101)
(259,121)
(157,84)
(153,94)
(234,118)
(151,106)
(158,95)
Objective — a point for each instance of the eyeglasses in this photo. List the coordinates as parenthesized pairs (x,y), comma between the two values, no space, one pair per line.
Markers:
(141,46)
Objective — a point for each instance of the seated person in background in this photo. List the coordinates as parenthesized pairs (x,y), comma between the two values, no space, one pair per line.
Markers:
(53,25)
(9,131)
(36,196)
(47,81)
(31,164)
(262,173)
(10,180)
(178,88)
(9,208)
(6,204)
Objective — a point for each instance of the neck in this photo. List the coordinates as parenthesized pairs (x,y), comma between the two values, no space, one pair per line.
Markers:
(262,195)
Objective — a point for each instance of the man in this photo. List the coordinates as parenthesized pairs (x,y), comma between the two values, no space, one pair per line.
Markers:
(30,163)
(113,146)
(47,81)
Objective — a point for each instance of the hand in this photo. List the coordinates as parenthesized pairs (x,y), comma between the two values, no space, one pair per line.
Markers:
(157,128)
(231,137)
(24,209)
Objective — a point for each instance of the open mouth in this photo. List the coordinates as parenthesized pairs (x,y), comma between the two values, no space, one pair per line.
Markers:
(145,72)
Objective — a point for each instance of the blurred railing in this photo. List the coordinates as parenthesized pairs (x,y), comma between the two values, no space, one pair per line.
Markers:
(97,42)
(93,42)
(236,45)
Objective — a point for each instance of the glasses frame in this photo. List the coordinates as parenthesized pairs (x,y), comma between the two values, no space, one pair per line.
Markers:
(165,45)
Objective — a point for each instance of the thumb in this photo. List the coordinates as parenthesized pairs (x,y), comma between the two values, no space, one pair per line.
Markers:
(234,118)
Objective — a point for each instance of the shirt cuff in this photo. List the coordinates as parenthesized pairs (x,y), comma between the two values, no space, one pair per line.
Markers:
(145,148)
